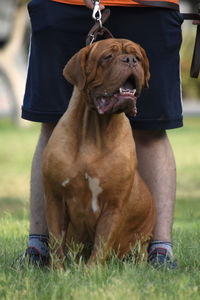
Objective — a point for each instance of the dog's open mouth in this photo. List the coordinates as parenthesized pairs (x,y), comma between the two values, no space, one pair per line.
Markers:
(123,100)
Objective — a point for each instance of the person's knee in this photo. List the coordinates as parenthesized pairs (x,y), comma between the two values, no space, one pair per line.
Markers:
(146,137)
(46,131)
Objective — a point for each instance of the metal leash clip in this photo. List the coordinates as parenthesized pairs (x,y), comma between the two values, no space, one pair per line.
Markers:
(96,14)
(98,29)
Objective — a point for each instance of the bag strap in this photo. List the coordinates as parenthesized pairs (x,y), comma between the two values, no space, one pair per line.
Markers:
(195,66)
(163,4)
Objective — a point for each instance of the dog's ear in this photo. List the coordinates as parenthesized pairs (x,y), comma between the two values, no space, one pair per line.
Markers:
(146,68)
(74,71)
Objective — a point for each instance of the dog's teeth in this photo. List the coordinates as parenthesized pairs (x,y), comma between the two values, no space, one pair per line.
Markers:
(100,111)
(127,91)
(122,91)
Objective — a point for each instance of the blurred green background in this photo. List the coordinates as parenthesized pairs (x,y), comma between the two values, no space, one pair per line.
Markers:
(18,144)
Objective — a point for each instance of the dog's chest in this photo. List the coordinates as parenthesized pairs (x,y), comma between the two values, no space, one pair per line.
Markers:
(83,191)
(83,195)
(89,180)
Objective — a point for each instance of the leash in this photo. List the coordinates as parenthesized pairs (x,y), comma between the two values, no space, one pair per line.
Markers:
(98,29)
(101,17)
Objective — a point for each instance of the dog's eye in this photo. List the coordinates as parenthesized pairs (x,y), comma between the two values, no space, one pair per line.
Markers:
(108,57)
(138,58)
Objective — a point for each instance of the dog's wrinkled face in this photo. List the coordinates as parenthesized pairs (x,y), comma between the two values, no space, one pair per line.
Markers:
(112,73)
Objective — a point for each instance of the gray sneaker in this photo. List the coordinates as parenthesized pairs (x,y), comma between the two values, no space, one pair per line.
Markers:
(31,257)
(160,259)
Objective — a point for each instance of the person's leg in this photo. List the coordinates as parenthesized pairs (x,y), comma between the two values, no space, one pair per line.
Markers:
(37,210)
(157,167)
(47,102)
(38,248)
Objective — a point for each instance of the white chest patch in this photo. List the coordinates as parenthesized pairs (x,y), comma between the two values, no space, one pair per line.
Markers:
(95,190)
(65,182)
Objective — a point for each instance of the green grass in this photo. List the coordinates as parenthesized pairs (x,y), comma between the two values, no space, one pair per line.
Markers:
(117,280)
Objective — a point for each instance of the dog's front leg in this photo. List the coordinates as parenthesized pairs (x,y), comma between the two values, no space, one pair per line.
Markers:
(57,221)
(105,236)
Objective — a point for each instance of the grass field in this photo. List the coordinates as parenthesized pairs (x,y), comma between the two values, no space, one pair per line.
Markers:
(117,280)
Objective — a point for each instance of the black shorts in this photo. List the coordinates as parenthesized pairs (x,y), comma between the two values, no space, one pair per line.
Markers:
(59,30)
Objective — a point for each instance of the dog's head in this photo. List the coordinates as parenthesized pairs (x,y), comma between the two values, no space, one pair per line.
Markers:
(111,73)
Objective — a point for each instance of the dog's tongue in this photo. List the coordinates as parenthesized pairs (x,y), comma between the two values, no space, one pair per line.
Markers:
(105,104)
(123,101)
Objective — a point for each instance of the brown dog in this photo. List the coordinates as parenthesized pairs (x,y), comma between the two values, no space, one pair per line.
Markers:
(93,191)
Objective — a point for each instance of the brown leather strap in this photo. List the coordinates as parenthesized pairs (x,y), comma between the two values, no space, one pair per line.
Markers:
(190,16)
(96,30)
(159,4)
(195,66)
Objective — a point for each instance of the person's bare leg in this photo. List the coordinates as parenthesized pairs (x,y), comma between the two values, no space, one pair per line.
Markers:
(156,165)
(38,223)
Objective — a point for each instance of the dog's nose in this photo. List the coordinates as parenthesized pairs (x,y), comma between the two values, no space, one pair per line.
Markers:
(130,60)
